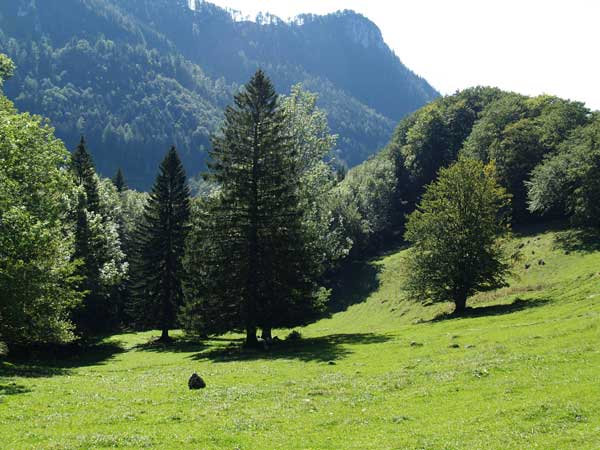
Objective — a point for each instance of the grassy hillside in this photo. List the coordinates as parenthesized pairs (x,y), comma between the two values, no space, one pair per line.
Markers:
(520,371)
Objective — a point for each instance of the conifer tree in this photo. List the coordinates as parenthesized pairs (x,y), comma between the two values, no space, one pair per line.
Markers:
(85,176)
(90,311)
(156,272)
(254,269)
(119,181)
(97,246)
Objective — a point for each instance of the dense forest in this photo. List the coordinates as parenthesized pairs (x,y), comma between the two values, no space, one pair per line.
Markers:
(542,148)
(136,77)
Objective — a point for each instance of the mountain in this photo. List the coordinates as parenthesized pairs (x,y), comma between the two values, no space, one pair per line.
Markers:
(136,76)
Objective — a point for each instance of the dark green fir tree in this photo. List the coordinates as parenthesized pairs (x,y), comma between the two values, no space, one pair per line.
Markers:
(156,260)
(91,315)
(249,263)
(85,176)
(119,181)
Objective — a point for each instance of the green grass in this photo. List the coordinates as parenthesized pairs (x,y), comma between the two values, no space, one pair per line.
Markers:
(522,371)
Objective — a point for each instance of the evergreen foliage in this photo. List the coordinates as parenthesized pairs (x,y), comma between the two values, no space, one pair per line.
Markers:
(156,272)
(119,181)
(456,232)
(97,245)
(257,269)
(85,176)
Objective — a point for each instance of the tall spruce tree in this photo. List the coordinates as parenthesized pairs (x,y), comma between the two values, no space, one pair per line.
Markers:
(97,246)
(253,268)
(85,176)
(156,272)
(119,181)
(88,315)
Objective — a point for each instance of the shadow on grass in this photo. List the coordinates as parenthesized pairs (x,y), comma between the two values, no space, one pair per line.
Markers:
(51,360)
(320,349)
(176,345)
(493,310)
(13,389)
(578,240)
(537,227)
(354,284)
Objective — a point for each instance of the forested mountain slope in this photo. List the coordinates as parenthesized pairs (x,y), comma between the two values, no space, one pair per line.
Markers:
(544,150)
(137,76)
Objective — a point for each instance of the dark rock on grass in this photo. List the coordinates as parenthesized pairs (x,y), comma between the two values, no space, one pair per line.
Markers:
(196,382)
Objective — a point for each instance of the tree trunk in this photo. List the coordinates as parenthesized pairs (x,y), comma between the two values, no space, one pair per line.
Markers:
(460,304)
(251,341)
(266,334)
(164,337)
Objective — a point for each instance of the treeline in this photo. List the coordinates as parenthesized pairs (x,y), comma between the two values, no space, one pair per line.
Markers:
(126,98)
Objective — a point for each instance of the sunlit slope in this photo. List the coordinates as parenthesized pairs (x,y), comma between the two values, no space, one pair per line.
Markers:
(557,273)
(522,371)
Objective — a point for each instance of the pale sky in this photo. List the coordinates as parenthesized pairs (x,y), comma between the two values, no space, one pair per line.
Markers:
(527,46)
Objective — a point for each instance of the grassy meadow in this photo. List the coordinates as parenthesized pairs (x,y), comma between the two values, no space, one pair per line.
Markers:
(520,371)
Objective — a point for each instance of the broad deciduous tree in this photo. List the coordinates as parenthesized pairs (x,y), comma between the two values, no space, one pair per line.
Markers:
(456,232)
(37,276)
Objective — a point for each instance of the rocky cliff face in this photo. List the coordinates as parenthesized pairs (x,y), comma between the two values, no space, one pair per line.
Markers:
(362,31)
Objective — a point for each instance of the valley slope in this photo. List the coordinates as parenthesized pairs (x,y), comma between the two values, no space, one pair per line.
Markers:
(518,371)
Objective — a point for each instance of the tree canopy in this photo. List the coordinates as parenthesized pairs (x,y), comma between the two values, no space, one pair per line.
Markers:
(456,233)
(37,193)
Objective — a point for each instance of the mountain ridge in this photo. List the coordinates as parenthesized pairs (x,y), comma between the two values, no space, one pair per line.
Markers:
(138,76)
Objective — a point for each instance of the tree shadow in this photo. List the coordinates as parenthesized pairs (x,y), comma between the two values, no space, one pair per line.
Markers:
(493,310)
(29,370)
(321,349)
(13,389)
(354,283)
(584,240)
(176,345)
(537,227)
(51,360)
